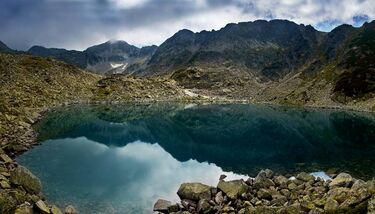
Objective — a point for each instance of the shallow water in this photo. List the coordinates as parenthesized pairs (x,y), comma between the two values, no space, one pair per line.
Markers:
(120,159)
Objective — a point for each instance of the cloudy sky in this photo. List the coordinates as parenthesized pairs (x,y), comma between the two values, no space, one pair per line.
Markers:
(77,24)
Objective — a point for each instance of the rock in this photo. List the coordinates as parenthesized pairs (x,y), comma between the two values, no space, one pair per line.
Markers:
(316,210)
(173,208)
(70,210)
(342,180)
(264,194)
(331,205)
(6,158)
(269,173)
(303,176)
(162,206)
(204,206)
(219,198)
(55,210)
(233,189)
(339,194)
(23,177)
(371,205)
(371,186)
(222,177)
(24,209)
(262,181)
(194,191)
(292,186)
(42,207)
(281,181)
(4,184)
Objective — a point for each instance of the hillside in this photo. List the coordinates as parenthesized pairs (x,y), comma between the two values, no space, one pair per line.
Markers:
(109,57)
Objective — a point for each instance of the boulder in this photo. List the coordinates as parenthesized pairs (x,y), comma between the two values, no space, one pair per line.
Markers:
(371,205)
(70,210)
(43,208)
(23,177)
(342,180)
(264,194)
(262,181)
(219,198)
(331,205)
(281,181)
(162,206)
(24,209)
(55,210)
(173,208)
(233,189)
(303,176)
(204,206)
(194,191)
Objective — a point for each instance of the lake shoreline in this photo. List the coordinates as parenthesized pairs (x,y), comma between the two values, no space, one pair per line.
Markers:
(35,200)
(271,193)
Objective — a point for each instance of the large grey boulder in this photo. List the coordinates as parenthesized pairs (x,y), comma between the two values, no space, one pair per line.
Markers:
(194,191)
(23,177)
(262,180)
(233,189)
(162,206)
(342,180)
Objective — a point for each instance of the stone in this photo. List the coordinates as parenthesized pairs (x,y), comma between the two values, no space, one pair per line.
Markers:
(269,173)
(162,206)
(23,177)
(262,181)
(303,176)
(204,206)
(281,181)
(339,194)
(4,184)
(42,207)
(342,180)
(173,208)
(6,158)
(194,191)
(55,210)
(264,194)
(233,189)
(371,205)
(219,198)
(292,186)
(24,209)
(70,210)
(316,210)
(331,205)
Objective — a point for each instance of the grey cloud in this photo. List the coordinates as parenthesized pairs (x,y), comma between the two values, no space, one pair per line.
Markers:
(77,24)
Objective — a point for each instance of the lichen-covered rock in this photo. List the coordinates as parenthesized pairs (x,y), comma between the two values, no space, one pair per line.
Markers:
(281,181)
(55,210)
(264,194)
(262,181)
(331,205)
(25,208)
(194,191)
(162,206)
(43,208)
(342,180)
(23,177)
(371,205)
(233,189)
(303,176)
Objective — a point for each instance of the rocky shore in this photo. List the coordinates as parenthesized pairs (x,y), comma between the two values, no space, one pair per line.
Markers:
(270,193)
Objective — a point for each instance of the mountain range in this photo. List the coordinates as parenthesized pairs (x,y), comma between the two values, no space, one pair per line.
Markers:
(263,53)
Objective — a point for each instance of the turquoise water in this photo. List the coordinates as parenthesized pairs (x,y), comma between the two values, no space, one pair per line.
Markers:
(120,159)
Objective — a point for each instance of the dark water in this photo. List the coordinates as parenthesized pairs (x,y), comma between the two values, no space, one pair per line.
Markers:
(120,159)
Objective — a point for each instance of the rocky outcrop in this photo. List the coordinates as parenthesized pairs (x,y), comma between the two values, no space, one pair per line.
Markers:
(23,177)
(303,193)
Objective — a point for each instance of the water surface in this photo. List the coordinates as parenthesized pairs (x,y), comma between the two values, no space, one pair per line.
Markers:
(120,159)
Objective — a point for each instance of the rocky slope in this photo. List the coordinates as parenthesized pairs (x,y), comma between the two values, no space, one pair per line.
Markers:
(270,193)
(110,57)
(31,85)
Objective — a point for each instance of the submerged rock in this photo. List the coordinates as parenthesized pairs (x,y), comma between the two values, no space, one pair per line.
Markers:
(55,210)
(233,189)
(162,206)
(194,191)
(23,177)
(70,210)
